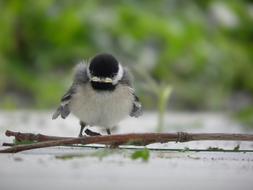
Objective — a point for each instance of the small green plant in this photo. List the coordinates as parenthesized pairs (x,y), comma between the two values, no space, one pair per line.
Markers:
(186,149)
(141,154)
(163,97)
(236,148)
(100,154)
(162,92)
(215,149)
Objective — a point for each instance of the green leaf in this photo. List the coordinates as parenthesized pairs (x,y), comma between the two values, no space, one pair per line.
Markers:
(215,149)
(185,149)
(141,154)
(237,148)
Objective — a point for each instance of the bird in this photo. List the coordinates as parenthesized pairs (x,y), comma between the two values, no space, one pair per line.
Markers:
(101,95)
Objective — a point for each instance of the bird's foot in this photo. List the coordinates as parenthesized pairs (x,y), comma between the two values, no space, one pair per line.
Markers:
(91,133)
(81,135)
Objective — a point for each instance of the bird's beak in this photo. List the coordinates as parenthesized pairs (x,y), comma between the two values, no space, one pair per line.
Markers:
(108,80)
(104,80)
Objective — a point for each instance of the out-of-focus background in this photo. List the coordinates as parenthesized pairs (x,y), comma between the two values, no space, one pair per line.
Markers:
(202,50)
(193,68)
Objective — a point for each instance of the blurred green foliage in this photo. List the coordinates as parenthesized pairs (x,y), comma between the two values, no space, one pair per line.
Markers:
(204,49)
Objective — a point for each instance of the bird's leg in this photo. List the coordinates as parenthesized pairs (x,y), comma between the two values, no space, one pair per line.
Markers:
(87,131)
(108,131)
(83,125)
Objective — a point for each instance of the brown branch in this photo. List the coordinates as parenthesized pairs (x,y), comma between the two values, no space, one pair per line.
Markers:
(133,139)
(32,137)
(179,137)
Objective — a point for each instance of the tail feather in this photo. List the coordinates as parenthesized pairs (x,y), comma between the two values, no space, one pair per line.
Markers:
(57,113)
(61,110)
(64,111)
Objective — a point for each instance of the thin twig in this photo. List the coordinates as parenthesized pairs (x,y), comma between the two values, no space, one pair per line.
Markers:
(8,144)
(32,137)
(133,139)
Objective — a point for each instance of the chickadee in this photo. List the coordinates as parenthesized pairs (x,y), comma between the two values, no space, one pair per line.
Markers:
(101,94)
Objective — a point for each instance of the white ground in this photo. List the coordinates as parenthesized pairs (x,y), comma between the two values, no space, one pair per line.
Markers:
(100,169)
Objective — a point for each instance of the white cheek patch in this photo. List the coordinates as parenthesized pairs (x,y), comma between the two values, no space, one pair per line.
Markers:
(88,71)
(119,75)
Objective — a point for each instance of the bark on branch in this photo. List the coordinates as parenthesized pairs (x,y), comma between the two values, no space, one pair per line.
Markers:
(42,141)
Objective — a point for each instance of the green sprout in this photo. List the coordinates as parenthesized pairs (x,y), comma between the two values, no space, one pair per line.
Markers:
(141,154)
(236,148)
(215,149)
(162,92)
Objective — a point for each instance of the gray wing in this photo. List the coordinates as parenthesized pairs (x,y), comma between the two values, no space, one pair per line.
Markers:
(137,107)
(63,109)
(79,79)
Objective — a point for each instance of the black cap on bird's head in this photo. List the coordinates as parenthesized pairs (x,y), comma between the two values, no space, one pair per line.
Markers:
(104,65)
(104,72)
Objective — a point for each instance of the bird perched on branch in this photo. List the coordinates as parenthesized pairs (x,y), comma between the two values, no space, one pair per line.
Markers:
(101,94)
